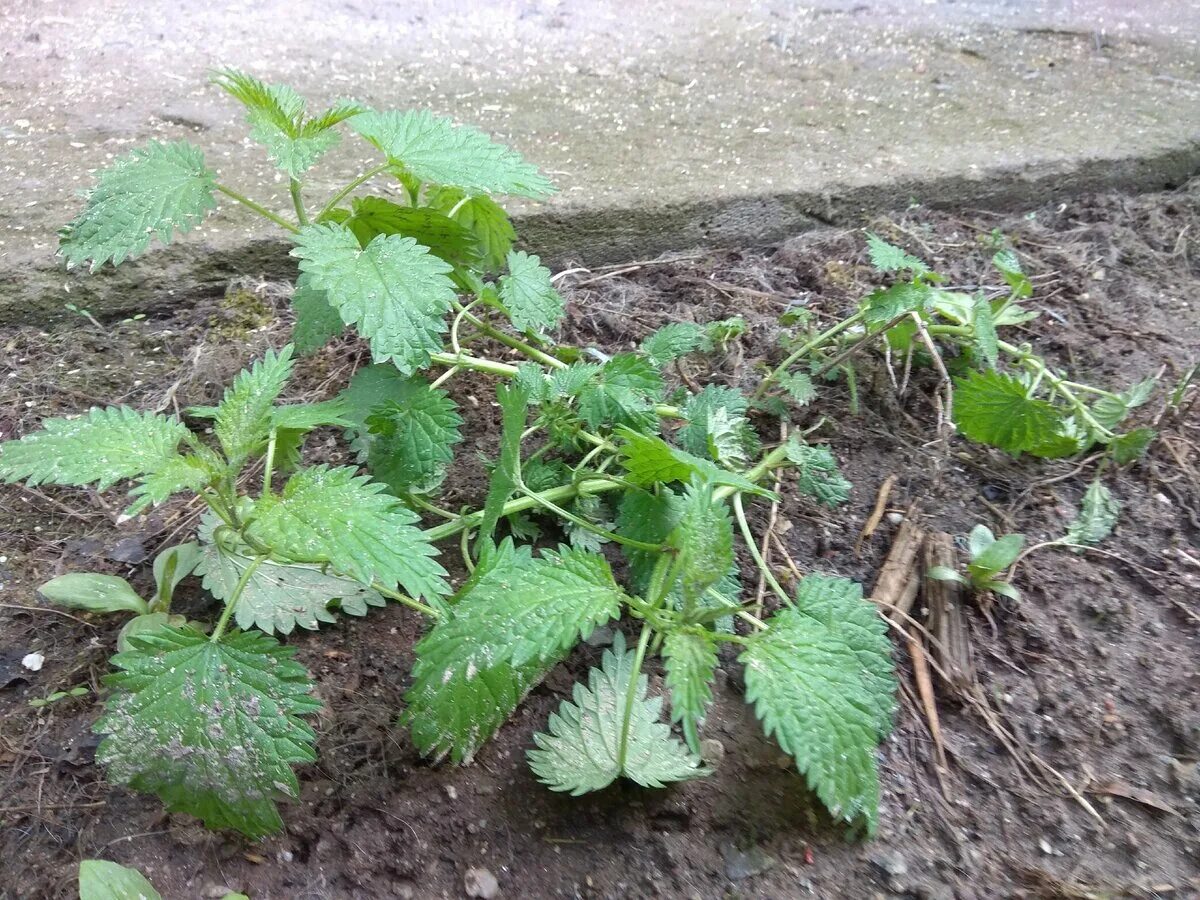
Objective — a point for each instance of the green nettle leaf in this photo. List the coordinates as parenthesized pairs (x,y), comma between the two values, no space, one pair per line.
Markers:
(338,517)
(986,342)
(276,114)
(704,540)
(153,192)
(100,879)
(412,440)
(180,473)
(372,216)
(532,301)
(672,341)
(514,408)
(651,460)
(889,258)
(570,381)
(434,149)
(394,291)
(511,623)
(650,518)
(798,386)
(817,473)
(211,727)
(279,597)
(886,304)
(102,446)
(582,751)
(717,427)
(243,420)
(1009,266)
(822,683)
(317,323)
(369,388)
(95,593)
(485,219)
(1125,448)
(623,392)
(1111,411)
(691,663)
(996,409)
(1097,516)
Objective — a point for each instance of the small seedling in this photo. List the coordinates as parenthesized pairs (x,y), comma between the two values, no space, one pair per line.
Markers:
(990,557)
(80,690)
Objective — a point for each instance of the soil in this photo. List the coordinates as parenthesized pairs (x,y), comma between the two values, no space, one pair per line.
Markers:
(1093,677)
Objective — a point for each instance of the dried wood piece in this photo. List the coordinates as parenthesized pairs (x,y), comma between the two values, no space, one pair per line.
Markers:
(947,623)
(892,590)
(873,520)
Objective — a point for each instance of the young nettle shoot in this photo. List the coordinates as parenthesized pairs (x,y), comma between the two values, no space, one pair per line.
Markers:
(211,716)
(990,558)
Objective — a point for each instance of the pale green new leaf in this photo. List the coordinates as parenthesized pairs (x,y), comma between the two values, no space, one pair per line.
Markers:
(514,407)
(278,597)
(100,879)
(102,446)
(95,593)
(1007,263)
(822,683)
(995,409)
(817,473)
(703,539)
(798,386)
(691,662)
(1097,516)
(532,301)
(986,341)
(889,258)
(582,750)
(485,219)
(153,192)
(513,620)
(1128,447)
(394,291)
(317,323)
(886,304)
(717,428)
(650,460)
(212,728)
(337,517)
(673,341)
(434,149)
(243,420)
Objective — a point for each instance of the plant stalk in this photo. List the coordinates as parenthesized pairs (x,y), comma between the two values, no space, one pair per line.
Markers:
(258,208)
(631,694)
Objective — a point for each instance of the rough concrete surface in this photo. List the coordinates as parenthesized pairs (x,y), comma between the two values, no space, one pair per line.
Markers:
(666,124)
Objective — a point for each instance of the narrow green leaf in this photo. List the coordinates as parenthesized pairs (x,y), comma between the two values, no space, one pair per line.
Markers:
(1007,263)
(986,342)
(212,728)
(582,750)
(691,663)
(532,301)
(395,291)
(153,192)
(651,460)
(821,680)
(514,407)
(704,540)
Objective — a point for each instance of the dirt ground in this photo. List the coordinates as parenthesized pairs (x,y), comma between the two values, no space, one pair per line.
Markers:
(1088,689)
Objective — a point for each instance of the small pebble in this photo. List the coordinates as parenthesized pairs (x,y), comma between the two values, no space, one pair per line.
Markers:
(479,882)
(33,661)
(895,518)
(451,792)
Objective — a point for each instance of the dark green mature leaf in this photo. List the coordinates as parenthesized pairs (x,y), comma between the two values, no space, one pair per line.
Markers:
(178,474)
(485,219)
(691,663)
(703,539)
(434,149)
(889,258)
(885,304)
(369,388)
(717,428)
(373,216)
(337,517)
(650,460)
(412,438)
(1097,516)
(821,680)
(514,407)
(581,752)
(317,323)
(532,301)
(995,409)
(100,879)
(817,473)
(673,341)
(623,392)
(212,728)
(395,291)
(102,447)
(515,618)
(243,420)
(153,192)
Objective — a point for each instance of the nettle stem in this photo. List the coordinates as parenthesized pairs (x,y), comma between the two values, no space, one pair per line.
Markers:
(258,208)
(238,588)
(631,694)
(341,195)
(752,546)
(298,202)
(816,343)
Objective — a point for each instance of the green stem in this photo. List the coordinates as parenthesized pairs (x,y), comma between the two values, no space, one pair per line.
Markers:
(631,694)
(474,363)
(258,208)
(586,525)
(269,463)
(298,202)
(816,342)
(740,512)
(509,341)
(1061,386)
(406,600)
(238,588)
(337,198)
(565,492)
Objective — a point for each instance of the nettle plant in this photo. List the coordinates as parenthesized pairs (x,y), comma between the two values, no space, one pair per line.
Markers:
(211,717)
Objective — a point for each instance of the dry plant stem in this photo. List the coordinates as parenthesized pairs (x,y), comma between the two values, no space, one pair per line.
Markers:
(925,690)
(876,516)
(898,568)
(941,367)
(944,600)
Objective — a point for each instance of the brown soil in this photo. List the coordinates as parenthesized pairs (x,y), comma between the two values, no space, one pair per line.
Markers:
(1095,672)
